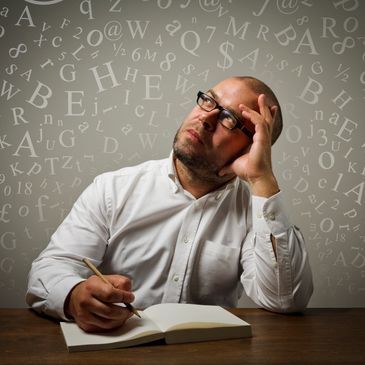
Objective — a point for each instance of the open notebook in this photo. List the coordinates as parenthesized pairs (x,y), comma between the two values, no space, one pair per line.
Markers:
(176,323)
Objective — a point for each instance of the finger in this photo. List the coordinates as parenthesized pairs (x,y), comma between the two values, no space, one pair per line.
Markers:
(264,108)
(262,132)
(106,292)
(86,302)
(93,312)
(249,114)
(274,110)
(109,311)
(226,170)
(94,323)
(114,295)
(260,126)
(232,168)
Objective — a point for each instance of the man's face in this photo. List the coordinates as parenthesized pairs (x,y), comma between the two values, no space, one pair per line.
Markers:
(202,143)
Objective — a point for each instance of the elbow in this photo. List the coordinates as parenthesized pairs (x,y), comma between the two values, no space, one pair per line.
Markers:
(292,301)
(34,302)
(296,302)
(300,295)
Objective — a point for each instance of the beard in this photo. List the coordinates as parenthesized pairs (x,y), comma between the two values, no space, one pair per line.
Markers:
(197,163)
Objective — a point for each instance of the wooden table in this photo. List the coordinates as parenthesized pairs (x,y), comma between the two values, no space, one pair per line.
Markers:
(319,336)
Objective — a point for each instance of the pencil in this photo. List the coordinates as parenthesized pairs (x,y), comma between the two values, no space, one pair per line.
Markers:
(93,268)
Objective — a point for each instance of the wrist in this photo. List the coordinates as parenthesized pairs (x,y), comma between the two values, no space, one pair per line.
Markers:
(68,307)
(265,186)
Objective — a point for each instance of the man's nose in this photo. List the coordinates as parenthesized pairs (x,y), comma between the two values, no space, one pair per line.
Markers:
(209,120)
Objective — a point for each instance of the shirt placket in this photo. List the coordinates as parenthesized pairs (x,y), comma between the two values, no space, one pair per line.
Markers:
(185,242)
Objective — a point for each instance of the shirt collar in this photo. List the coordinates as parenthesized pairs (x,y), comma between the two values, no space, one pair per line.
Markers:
(171,173)
(175,183)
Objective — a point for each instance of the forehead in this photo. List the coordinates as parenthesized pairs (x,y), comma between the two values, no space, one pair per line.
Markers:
(233,92)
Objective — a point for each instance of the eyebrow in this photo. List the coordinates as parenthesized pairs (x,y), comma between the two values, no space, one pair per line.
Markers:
(215,96)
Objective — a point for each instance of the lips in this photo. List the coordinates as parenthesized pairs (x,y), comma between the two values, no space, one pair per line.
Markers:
(194,135)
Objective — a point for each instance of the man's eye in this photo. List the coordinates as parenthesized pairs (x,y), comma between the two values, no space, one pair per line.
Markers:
(225,114)
(227,119)
(206,99)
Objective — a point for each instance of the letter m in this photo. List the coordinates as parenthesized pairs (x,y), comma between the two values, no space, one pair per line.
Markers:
(235,31)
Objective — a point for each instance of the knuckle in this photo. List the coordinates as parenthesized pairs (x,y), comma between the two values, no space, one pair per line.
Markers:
(125,282)
(83,303)
(89,284)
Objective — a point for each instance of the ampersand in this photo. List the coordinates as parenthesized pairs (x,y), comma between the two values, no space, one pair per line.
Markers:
(14,52)
(339,47)
(302,20)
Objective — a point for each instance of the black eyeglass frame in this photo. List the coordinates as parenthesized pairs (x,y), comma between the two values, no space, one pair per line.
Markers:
(238,124)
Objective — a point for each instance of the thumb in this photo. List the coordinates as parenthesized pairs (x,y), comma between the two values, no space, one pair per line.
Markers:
(226,170)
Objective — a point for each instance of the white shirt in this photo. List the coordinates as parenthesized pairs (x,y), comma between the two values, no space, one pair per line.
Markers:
(139,222)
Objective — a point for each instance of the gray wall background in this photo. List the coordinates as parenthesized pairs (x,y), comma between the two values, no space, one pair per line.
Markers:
(89,86)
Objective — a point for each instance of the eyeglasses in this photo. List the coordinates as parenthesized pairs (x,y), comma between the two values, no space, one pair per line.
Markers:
(225,117)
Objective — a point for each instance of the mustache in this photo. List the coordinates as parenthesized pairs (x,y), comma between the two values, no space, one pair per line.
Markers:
(199,131)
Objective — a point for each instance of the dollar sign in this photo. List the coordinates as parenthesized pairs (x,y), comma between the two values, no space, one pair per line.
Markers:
(227,61)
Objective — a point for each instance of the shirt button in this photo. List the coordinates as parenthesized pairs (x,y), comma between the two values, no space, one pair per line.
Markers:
(186,239)
(271,216)
(259,215)
(175,278)
(218,196)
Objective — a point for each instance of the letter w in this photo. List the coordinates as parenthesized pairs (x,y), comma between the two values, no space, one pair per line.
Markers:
(8,91)
(147,139)
(137,27)
(182,84)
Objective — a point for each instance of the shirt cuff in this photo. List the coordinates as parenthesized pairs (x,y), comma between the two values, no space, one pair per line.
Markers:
(57,296)
(269,215)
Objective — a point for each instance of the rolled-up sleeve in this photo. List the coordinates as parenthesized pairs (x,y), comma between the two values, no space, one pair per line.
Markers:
(279,280)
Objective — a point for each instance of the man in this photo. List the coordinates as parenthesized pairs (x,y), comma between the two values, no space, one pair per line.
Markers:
(197,227)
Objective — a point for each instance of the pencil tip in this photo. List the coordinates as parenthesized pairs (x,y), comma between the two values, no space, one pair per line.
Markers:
(137,314)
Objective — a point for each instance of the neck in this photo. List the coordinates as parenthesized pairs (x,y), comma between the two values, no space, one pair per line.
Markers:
(195,182)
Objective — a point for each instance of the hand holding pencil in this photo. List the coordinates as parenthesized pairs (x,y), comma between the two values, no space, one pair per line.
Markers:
(102,277)
(92,303)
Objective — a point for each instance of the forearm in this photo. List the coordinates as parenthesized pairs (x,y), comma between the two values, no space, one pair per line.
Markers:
(265,186)
(283,284)
(280,279)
